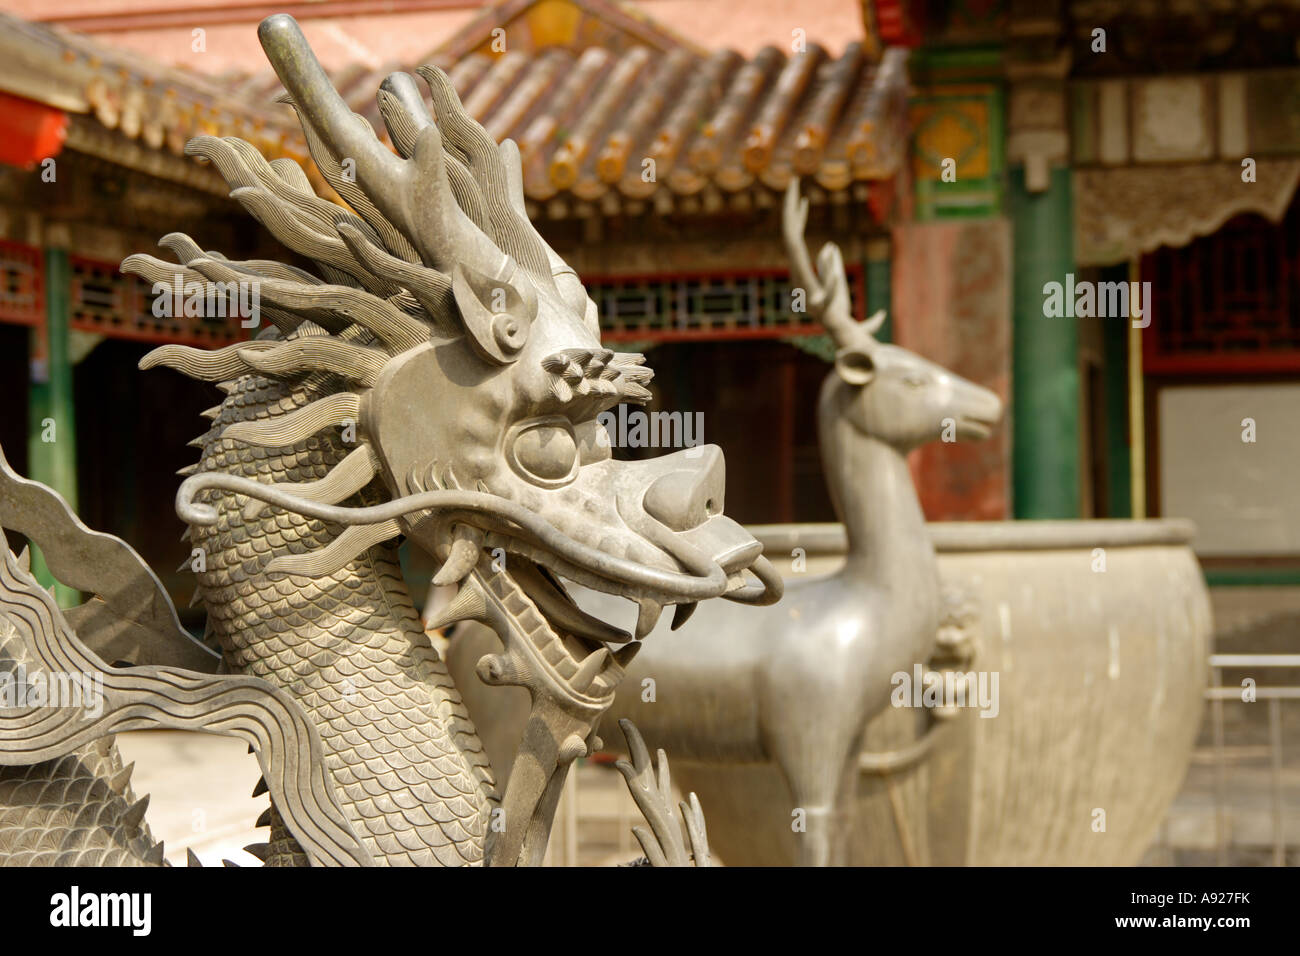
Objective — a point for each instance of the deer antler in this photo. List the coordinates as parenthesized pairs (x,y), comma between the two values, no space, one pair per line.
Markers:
(827,288)
(653,796)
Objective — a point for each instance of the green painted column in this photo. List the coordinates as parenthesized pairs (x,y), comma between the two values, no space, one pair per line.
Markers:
(1045,394)
(878,279)
(51,426)
(1115,378)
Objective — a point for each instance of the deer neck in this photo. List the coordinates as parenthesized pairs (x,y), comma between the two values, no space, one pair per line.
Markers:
(872,490)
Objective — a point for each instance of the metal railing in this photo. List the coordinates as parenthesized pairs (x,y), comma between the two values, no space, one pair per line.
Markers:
(1273,696)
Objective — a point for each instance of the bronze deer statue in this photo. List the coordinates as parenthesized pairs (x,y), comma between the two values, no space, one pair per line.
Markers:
(796,685)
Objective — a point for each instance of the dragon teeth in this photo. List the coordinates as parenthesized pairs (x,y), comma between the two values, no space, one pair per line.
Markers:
(647,617)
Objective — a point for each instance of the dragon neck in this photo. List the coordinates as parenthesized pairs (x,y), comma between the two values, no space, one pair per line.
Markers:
(349,646)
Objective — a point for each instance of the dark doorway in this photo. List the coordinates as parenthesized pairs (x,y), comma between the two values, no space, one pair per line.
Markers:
(133,430)
(758,401)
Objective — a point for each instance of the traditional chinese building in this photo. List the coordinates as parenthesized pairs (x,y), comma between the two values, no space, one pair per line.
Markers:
(1147,143)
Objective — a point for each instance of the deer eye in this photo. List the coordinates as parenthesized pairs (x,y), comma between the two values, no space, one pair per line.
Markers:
(544,451)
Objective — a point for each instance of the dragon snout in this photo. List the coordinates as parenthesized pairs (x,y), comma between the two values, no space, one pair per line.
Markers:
(681,512)
(689,501)
(691,492)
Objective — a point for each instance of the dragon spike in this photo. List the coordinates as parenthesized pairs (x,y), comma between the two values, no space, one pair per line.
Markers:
(329,251)
(135,816)
(343,480)
(259,850)
(155,270)
(334,306)
(120,780)
(299,425)
(260,788)
(156,856)
(191,858)
(464,555)
(264,820)
(25,558)
(350,543)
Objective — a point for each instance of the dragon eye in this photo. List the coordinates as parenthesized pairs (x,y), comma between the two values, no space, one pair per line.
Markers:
(545,452)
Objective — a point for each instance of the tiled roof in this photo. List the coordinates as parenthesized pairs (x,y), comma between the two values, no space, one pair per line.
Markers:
(158,106)
(593,126)
(588,124)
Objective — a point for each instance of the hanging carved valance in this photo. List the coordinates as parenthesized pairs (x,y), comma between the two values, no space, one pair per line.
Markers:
(1121,213)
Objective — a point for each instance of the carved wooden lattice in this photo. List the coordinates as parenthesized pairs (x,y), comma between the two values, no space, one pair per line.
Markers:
(1228,302)
(22,284)
(711,306)
(102,300)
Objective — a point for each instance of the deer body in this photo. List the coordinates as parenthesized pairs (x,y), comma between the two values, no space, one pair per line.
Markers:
(796,684)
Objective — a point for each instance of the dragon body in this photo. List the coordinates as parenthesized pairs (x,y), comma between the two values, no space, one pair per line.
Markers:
(348,646)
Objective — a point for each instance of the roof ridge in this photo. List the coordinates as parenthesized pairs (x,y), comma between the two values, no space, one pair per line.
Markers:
(615,15)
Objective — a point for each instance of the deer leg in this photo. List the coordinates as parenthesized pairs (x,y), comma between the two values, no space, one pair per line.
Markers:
(822,780)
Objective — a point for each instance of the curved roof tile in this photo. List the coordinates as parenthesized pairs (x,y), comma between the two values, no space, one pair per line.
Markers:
(635,125)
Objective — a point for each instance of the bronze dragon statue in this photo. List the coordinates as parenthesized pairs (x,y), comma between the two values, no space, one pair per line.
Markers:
(437,378)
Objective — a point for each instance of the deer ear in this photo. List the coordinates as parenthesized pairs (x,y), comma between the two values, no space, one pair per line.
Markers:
(497,313)
(855,366)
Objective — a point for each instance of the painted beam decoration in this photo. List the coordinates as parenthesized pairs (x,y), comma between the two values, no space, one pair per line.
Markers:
(436,375)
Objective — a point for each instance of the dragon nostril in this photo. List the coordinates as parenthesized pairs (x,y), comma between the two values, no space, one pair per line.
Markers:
(689,494)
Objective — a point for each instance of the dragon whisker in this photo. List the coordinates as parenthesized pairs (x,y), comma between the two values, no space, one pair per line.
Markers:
(707,580)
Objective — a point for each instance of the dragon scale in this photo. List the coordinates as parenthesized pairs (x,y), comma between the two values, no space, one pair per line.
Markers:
(411,774)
